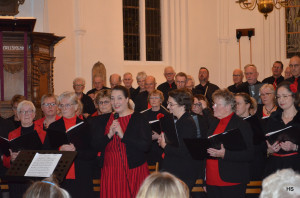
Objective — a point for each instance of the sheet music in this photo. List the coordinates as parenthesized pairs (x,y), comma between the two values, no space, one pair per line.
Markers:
(74,126)
(153,121)
(42,165)
(273,132)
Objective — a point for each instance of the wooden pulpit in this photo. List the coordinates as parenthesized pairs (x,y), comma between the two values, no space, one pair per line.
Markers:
(26,62)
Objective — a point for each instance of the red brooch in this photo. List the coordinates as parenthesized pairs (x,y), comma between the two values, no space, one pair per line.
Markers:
(160,115)
(293,88)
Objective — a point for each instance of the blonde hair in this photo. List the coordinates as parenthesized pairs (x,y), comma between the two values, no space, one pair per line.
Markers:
(163,185)
(46,188)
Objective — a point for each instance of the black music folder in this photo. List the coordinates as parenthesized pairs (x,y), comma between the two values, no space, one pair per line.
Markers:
(289,133)
(155,126)
(77,135)
(168,127)
(27,141)
(232,140)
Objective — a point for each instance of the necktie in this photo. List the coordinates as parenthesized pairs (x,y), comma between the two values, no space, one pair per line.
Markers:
(170,86)
(296,82)
(275,83)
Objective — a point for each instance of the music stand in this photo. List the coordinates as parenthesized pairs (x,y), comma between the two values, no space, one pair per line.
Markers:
(18,169)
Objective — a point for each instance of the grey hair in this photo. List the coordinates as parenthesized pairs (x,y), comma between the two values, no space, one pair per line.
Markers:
(23,103)
(283,183)
(79,79)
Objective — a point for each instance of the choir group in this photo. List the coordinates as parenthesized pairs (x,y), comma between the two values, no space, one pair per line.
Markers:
(122,142)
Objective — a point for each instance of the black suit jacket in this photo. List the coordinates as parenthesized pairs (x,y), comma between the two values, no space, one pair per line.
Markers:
(165,88)
(141,101)
(82,186)
(178,161)
(137,137)
(271,79)
(88,104)
(209,88)
(235,165)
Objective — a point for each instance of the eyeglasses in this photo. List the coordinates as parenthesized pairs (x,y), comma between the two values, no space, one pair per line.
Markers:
(49,104)
(180,82)
(171,105)
(266,94)
(104,102)
(67,106)
(296,65)
(78,85)
(29,112)
(197,105)
(283,96)
(169,74)
(154,97)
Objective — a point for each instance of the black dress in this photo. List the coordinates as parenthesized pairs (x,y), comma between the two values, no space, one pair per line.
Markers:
(282,159)
(178,161)
(155,153)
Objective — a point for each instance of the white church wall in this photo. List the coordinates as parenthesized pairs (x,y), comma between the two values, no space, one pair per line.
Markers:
(195,33)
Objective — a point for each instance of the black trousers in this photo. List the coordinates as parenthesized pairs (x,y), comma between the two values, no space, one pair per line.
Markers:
(236,191)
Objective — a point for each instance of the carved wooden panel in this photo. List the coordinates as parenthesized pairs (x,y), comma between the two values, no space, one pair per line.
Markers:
(99,69)
(39,67)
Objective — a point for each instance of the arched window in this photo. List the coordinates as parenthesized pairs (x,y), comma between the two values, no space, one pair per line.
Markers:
(142,30)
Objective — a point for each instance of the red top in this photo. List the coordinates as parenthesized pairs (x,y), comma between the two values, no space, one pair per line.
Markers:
(212,165)
(40,122)
(69,122)
(17,133)
(95,114)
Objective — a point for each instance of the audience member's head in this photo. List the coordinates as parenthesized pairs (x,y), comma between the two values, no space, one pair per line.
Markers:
(169,74)
(114,80)
(78,85)
(127,80)
(150,83)
(180,80)
(237,76)
(203,75)
(295,66)
(163,185)
(284,183)
(287,73)
(277,69)
(190,82)
(46,188)
(98,82)
(251,74)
